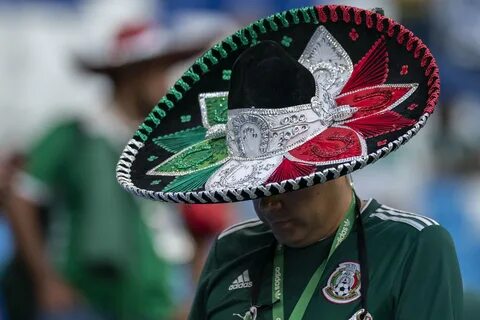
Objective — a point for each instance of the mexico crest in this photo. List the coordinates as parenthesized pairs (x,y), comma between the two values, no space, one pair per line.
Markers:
(343,285)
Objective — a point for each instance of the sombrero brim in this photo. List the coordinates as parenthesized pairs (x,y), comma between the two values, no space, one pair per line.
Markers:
(177,154)
(161,59)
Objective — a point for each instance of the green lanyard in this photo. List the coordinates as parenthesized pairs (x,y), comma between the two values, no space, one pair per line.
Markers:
(307,294)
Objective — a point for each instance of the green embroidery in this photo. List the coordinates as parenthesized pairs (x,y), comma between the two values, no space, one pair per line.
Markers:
(286,41)
(151,116)
(161,113)
(294,13)
(272,23)
(190,182)
(152,158)
(177,94)
(226,74)
(141,135)
(146,128)
(202,64)
(221,50)
(183,84)
(185,118)
(231,43)
(197,157)
(242,37)
(167,102)
(254,42)
(306,14)
(190,73)
(217,110)
(260,25)
(175,142)
(283,19)
(155,182)
(313,13)
(209,55)
(251,31)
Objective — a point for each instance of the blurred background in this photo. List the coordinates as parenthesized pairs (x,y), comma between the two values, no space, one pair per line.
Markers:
(78,76)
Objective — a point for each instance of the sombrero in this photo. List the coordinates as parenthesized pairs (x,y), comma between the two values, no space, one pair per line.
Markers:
(142,43)
(292,100)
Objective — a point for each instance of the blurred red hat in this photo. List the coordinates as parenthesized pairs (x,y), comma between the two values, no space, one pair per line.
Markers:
(207,220)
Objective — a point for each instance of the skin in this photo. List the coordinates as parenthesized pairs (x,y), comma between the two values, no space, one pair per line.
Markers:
(304,217)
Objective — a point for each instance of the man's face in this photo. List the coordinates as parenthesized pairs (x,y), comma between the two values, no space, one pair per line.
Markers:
(295,217)
(152,86)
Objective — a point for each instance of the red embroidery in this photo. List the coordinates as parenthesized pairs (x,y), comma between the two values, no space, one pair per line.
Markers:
(379,23)
(290,170)
(382,142)
(358,16)
(353,34)
(371,70)
(404,70)
(345,14)
(373,100)
(412,106)
(333,13)
(396,32)
(335,143)
(379,124)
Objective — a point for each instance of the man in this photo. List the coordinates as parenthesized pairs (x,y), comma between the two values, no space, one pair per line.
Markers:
(91,256)
(313,94)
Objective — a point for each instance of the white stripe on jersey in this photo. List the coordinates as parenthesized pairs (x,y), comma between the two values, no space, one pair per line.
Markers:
(239,226)
(408,221)
(415,215)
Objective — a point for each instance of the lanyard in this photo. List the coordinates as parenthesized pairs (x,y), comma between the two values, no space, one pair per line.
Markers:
(278,272)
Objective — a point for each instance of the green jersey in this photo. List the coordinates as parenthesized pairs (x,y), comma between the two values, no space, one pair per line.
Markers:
(97,238)
(413,272)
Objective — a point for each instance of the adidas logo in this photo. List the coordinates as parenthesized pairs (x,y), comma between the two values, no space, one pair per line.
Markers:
(243,281)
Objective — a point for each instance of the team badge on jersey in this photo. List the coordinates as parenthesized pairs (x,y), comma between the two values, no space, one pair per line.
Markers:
(343,285)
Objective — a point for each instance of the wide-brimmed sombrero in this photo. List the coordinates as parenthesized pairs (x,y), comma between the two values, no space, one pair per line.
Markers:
(292,100)
(144,43)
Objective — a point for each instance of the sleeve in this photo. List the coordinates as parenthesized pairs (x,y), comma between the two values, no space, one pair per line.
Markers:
(431,286)
(46,162)
(198,311)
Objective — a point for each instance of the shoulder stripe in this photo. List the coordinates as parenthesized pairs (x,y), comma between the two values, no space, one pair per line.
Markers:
(240,223)
(408,221)
(414,215)
(239,226)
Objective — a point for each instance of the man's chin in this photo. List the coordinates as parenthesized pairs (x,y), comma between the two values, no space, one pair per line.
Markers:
(290,239)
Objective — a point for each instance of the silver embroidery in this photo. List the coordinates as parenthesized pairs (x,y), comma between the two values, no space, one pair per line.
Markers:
(258,133)
(325,106)
(242,174)
(217,131)
(327,61)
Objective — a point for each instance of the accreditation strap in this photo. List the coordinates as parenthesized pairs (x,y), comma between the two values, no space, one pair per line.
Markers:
(278,271)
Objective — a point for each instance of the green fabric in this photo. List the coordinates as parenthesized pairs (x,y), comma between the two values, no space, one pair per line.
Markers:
(106,250)
(471,306)
(413,274)
(299,310)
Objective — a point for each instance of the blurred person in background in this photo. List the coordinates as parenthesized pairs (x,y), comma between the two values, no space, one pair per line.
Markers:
(10,163)
(84,250)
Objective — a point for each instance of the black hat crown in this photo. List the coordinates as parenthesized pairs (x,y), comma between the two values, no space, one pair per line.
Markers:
(266,76)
